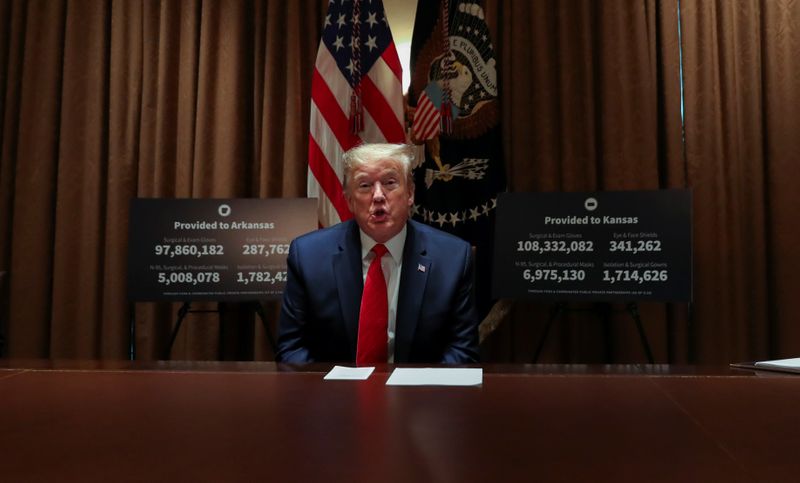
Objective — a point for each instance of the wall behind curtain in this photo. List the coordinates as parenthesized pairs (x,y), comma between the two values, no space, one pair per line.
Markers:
(105,101)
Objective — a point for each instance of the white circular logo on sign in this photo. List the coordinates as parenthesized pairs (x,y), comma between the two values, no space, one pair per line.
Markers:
(224,210)
(590,204)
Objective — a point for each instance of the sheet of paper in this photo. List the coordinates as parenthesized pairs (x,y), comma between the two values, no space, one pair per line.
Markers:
(793,363)
(436,376)
(342,373)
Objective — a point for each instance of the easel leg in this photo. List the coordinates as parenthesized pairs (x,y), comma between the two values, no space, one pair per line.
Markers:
(633,309)
(132,319)
(689,329)
(181,315)
(261,315)
(554,313)
(604,310)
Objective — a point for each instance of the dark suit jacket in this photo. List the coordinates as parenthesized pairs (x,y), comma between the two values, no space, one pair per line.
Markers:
(436,316)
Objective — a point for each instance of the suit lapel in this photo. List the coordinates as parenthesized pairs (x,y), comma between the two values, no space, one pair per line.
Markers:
(349,281)
(413,278)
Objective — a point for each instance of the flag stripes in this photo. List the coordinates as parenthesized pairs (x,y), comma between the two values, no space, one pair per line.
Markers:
(426,119)
(330,131)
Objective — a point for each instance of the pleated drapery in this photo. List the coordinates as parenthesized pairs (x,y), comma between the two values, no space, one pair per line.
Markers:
(101,102)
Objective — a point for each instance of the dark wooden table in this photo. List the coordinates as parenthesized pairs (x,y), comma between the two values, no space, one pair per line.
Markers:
(263,422)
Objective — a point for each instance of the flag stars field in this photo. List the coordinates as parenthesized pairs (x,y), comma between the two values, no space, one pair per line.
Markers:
(356,97)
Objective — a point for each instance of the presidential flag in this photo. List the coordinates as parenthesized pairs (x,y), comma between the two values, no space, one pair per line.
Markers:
(456,115)
(356,97)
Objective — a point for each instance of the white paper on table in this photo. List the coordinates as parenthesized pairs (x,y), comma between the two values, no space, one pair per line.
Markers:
(793,363)
(342,373)
(436,376)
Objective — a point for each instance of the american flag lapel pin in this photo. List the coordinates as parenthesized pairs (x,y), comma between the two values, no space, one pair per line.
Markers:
(421,268)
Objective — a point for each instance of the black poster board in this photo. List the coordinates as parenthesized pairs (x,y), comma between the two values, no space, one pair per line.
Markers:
(601,246)
(213,249)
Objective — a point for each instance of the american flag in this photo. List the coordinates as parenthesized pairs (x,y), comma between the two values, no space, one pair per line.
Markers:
(426,119)
(427,122)
(356,97)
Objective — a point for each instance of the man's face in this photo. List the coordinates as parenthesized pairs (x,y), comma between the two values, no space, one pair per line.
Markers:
(380,197)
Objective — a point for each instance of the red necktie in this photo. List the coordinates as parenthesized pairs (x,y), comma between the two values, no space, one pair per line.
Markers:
(373,320)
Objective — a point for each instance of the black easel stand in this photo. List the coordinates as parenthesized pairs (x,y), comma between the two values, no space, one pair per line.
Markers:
(132,330)
(186,310)
(3,311)
(559,308)
(633,310)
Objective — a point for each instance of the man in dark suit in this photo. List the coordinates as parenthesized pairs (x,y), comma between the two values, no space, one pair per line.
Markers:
(427,273)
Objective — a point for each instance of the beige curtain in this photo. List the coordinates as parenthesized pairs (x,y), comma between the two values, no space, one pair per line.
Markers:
(742,91)
(592,101)
(105,101)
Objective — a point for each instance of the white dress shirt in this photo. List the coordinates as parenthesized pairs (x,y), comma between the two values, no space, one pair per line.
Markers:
(392,264)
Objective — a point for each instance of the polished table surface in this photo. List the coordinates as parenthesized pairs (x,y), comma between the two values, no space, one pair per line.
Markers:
(191,421)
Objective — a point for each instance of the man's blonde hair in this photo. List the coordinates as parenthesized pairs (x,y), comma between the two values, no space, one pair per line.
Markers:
(367,154)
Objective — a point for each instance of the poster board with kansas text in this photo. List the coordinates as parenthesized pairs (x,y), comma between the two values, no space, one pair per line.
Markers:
(598,246)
